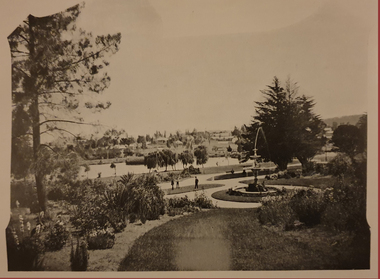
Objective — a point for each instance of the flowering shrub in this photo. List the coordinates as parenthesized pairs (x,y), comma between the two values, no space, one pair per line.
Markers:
(25,248)
(177,206)
(100,239)
(57,236)
(276,210)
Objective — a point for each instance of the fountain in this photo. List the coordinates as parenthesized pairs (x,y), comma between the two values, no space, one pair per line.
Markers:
(253,189)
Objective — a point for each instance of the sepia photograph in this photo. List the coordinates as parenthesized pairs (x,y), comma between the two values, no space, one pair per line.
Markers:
(213,138)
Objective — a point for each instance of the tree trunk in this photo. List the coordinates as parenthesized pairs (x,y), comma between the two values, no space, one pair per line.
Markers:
(282,165)
(303,162)
(35,115)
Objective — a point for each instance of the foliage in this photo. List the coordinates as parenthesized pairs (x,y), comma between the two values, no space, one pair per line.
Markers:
(79,256)
(362,126)
(201,155)
(190,170)
(286,116)
(186,158)
(309,206)
(276,210)
(144,197)
(340,165)
(94,212)
(168,157)
(100,239)
(53,62)
(201,201)
(179,205)
(25,248)
(347,139)
(57,236)
(24,192)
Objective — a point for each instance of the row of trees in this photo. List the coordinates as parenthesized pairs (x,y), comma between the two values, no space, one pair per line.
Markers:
(166,157)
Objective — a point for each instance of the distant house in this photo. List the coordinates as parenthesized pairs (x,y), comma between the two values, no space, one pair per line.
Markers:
(161,140)
(178,143)
(328,132)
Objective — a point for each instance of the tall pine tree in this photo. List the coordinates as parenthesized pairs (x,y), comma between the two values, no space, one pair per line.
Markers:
(290,126)
(55,66)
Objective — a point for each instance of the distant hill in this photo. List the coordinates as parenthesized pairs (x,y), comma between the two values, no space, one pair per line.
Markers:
(350,119)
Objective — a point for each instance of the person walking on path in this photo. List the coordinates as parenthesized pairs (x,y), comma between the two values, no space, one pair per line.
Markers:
(196,183)
(177,183)
(172,184)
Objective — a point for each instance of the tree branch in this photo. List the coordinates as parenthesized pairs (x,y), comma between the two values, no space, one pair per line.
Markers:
(21,70)
(65,121)
(58,129)
(26,40)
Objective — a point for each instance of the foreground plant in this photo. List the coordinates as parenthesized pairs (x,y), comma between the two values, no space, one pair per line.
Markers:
(79,256)
(25,249)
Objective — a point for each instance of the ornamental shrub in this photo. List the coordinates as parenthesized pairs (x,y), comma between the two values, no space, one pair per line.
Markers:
(100,239)
(275,210)
(57,236)
(309,206)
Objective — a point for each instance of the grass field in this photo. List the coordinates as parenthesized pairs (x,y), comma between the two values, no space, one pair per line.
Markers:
(233,239)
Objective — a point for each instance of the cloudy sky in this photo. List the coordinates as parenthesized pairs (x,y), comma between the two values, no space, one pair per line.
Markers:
(202,63)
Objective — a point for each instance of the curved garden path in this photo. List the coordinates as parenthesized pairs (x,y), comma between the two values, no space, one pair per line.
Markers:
(228,183)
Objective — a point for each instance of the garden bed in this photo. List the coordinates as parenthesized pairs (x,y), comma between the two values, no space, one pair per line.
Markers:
(321,182)
(224,196)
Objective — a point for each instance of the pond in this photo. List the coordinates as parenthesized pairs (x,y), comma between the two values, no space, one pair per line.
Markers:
(122,168)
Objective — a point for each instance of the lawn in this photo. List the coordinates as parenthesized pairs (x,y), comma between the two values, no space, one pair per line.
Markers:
(233,239)
(186,189)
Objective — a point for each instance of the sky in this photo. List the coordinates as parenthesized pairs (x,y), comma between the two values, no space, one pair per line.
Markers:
(202,63)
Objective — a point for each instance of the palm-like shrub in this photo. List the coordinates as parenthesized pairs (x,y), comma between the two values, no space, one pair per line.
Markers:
(143,197)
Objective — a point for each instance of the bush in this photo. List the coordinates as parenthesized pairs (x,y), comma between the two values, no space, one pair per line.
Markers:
(24,249)
(308,205)
(177,206)
(57,236)
(276,211)
(92,213)
(202,201)
(346,208)
(100,239)
(56,194)
(144,197)
(79,256)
